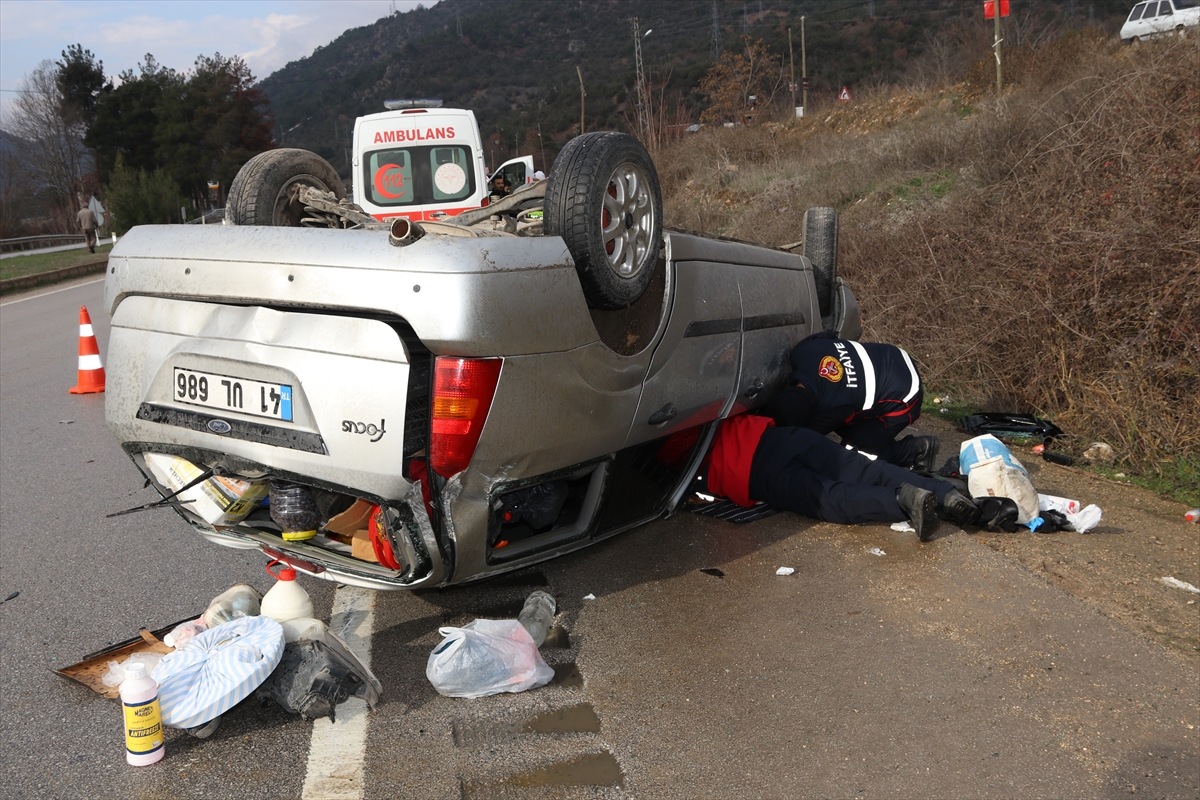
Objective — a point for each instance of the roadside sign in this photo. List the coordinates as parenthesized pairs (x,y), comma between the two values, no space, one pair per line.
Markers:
(989,9)
(845,95)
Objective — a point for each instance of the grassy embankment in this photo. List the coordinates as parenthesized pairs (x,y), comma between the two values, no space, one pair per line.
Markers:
(1035,252)
(19,266)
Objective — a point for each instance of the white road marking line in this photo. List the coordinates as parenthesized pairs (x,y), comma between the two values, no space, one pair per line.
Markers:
(338,751)
(53,291)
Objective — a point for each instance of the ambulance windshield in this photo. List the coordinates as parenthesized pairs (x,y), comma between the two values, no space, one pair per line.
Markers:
(405,176)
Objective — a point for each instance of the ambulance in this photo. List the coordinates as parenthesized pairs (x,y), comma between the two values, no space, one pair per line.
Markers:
(424,162)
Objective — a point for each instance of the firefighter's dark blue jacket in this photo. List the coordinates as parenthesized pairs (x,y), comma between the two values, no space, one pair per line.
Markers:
(846,382)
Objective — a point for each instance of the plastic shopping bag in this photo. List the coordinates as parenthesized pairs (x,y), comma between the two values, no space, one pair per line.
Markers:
(219,669)
(486,656)
(1081,519)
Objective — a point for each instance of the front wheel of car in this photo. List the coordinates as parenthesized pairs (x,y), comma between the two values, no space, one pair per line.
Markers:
(604,200)
(262,192)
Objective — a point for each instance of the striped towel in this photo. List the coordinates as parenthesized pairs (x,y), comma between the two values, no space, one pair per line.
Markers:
(219,669)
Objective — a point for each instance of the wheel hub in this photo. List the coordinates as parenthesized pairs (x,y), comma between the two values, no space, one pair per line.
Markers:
(627,220)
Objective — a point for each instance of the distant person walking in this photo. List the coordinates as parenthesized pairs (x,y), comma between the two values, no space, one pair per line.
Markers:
(87,223)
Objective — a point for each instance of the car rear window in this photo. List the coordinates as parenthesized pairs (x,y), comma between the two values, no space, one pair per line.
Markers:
(405,176)
(1164,9)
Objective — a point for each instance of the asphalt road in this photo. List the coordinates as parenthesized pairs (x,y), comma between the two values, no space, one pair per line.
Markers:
(945,670)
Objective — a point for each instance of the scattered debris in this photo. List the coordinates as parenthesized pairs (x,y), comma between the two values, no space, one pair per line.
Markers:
(785,570)
(220,668)
(1178,584)
(1191,516)
(486,657)
(14,594)
(1020,426)
(716,573)
(903,527)
(875,551)
(589,596)
(317,672)
(1098,453)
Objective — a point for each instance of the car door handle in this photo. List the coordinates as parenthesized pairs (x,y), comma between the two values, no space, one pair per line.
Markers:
(753,389)
(664,414)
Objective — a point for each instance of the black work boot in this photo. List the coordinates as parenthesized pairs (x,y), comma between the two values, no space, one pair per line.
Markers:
(919,506)
(927,449)
(960,509)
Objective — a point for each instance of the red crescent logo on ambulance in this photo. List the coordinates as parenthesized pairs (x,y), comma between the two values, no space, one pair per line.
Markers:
(831,369)
(384,177)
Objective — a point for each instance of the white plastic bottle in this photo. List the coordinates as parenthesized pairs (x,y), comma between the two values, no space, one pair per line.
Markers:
(287,599)
(143,719)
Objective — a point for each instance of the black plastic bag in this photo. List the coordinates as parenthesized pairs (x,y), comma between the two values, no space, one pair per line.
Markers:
(1003,423)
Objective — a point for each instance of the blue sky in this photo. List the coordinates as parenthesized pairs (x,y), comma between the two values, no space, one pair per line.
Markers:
(266,33)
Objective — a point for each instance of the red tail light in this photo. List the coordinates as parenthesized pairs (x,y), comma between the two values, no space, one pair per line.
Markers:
(462,395)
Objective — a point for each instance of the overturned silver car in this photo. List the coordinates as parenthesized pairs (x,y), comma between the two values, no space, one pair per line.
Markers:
(459,398)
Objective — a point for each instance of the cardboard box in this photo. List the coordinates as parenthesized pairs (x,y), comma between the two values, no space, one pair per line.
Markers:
(219,500)
(361,546)
(353,522)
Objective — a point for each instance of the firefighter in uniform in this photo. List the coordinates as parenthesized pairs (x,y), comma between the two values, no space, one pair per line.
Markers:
(865,393)
(800,470)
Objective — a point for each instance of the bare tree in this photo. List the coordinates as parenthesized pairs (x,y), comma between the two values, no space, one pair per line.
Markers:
(54,139)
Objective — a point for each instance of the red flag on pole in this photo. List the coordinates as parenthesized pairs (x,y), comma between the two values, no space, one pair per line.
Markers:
(989,9)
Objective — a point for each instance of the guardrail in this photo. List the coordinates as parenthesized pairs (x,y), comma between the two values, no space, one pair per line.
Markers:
(38,242)
(215,216)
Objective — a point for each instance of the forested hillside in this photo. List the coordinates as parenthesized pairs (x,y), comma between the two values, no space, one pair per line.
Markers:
(518,63)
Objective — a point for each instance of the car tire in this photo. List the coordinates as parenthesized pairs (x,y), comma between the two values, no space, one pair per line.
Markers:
(820,247)
(604,200)
(260,194)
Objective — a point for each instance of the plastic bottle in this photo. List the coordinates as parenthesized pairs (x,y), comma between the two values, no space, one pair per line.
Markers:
(286,599)
(1193,515)
(143,719)
(537,616)
(294,510)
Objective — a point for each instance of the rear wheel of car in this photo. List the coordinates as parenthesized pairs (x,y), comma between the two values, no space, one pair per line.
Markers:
(603,199)
(820,247)
(261,194)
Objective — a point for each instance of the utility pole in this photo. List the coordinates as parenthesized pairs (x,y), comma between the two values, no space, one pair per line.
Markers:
(803,68)
(999,72)
(643,123)
(792,69)
(458,23)
(582,96)
(716,33)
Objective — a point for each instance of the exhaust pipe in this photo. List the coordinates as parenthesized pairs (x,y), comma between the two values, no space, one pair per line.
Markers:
(404,232)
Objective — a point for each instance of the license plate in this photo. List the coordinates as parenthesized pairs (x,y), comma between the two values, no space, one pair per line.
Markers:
(227,393)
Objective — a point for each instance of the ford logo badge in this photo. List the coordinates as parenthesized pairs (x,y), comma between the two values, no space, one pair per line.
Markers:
(219,426)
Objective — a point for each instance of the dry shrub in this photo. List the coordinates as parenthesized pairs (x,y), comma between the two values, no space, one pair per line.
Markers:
(1036,252)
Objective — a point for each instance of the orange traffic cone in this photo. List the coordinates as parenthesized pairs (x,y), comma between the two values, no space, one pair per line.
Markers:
(91,371)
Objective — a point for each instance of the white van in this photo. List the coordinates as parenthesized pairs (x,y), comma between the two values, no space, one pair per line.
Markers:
(423,162)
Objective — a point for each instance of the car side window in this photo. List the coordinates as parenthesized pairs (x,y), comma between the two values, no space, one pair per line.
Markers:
(1164,9)
(1136,14)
